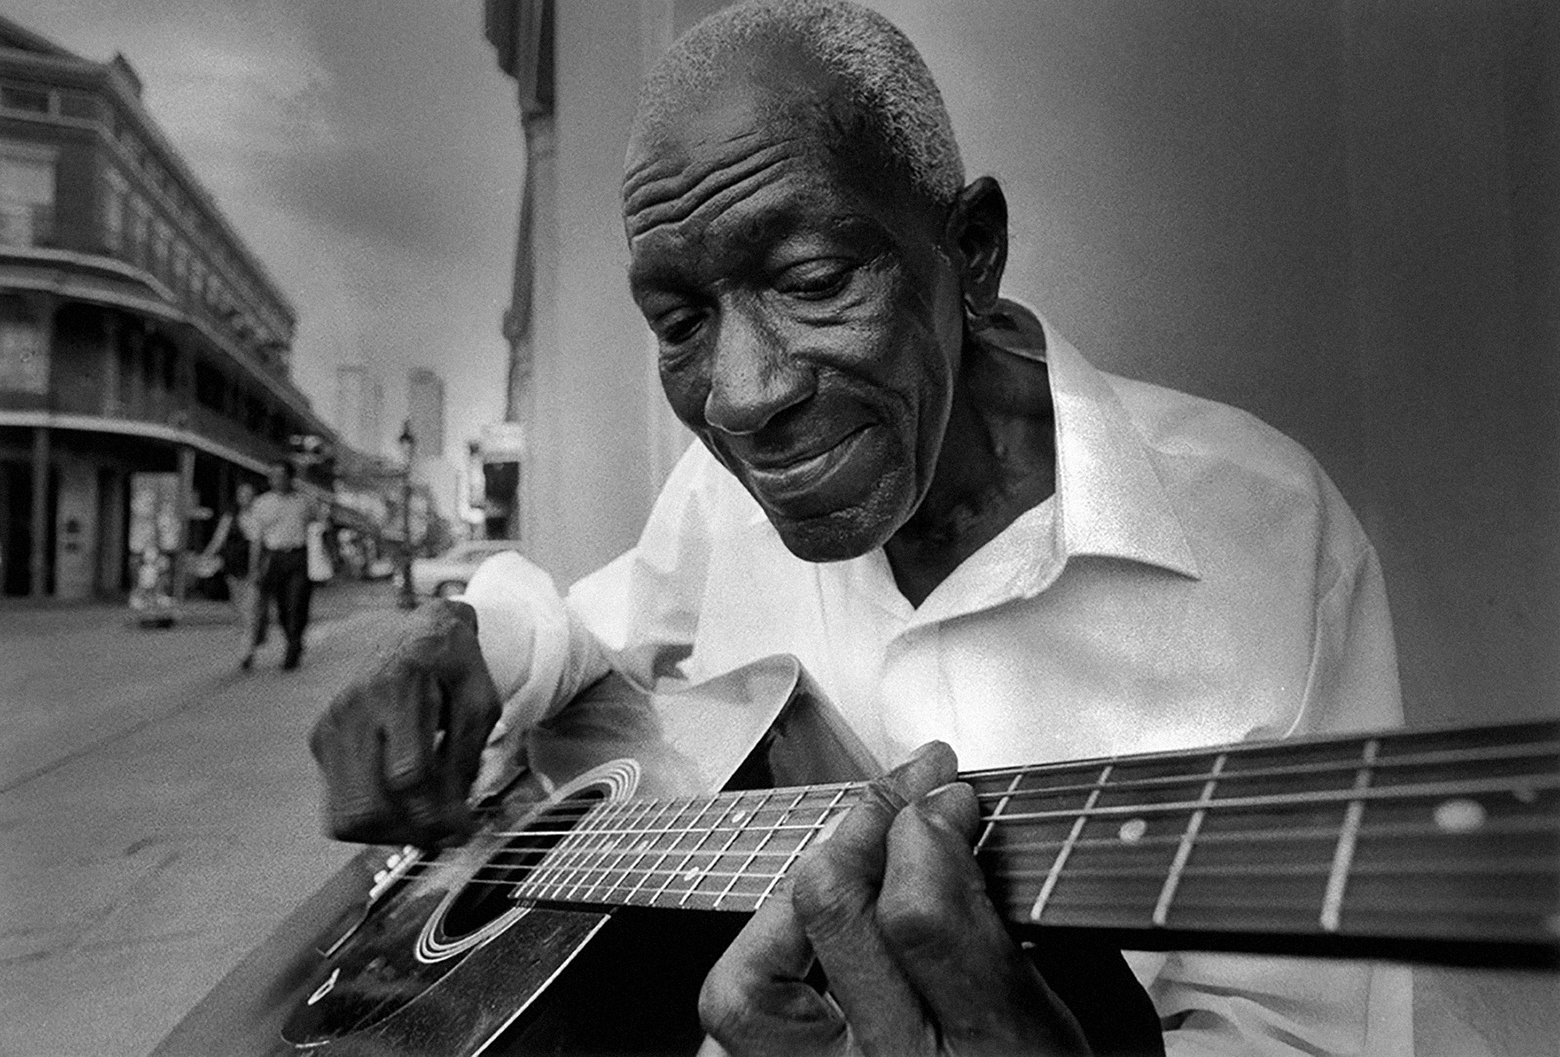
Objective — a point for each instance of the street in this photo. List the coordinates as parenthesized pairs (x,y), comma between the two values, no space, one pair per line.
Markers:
(160,810)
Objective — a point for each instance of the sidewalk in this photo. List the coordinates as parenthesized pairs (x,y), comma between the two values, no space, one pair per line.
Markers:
(160,810)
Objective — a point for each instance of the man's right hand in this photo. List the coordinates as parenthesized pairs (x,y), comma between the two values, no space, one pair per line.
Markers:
(400,746)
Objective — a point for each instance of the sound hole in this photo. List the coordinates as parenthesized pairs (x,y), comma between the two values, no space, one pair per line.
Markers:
(486,896)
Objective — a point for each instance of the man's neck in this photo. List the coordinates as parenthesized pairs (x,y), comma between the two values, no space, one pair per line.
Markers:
(998,460)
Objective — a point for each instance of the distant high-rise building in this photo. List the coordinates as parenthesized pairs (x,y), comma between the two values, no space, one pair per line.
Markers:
(360,407)
(425,411)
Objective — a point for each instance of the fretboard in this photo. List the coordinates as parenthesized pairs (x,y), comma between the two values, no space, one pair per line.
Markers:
(1440,845)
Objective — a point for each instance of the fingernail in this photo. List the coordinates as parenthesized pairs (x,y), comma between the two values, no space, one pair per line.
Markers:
(944,809)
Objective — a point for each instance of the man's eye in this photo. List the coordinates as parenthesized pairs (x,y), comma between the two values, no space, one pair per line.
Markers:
(815,281)
(674,328)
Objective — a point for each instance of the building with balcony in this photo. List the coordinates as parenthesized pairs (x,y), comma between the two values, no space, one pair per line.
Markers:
(144,351)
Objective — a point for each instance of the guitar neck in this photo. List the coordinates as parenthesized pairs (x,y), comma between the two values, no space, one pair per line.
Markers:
(1435,846)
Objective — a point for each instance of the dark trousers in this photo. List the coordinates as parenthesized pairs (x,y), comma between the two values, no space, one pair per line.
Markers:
(284,577)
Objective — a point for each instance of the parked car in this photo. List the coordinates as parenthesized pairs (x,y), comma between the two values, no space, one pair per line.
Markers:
(448,573)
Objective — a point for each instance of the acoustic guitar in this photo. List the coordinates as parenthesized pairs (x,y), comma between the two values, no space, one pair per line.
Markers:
(641,831)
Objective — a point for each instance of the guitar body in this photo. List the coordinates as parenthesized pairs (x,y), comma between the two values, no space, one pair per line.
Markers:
(440,962)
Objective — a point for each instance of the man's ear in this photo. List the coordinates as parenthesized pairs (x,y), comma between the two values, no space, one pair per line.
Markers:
(978,225)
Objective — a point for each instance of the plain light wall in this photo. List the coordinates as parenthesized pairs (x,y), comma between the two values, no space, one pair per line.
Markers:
(1340,216)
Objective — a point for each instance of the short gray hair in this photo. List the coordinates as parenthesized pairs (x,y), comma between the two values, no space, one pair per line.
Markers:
(888,82)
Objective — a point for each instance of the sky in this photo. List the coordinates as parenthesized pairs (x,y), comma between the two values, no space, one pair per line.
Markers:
(367,151)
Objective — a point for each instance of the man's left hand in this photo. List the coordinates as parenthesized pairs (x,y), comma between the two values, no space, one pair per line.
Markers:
(894,908)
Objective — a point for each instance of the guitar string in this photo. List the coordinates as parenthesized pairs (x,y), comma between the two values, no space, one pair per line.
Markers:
(577,809)
(1426,790)
(495,872)
(1546,744)
(1525,865)
(1485,754)
(1389,796)
(1228,777)
(1489,904)
(1521,783)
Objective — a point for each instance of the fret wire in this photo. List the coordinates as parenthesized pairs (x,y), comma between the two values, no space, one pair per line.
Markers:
(746,865)
(1332,900)
(1061,856)
(623,852)
(691,852)
(639,858)
(671,848)
(991,824)
(735,833)
(561,855)
(600,840)
(1395,763)
(802,845)
(557,857)
(1193,824)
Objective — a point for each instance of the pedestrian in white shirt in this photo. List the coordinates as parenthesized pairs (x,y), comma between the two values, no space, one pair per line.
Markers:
(281,523)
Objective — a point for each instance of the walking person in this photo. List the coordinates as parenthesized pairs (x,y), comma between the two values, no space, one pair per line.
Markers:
(235,545)
(281,524)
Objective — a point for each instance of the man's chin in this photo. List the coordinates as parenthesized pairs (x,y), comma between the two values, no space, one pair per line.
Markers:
(834,537)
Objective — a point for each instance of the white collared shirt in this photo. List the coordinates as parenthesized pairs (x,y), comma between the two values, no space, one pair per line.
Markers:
(1195,579)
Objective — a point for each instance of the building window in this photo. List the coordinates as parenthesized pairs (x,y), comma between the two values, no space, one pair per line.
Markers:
(135,250)
(160,248)
(26,194)
(23,367)
(24,97)
(210,386)
(78,105)
(114,213)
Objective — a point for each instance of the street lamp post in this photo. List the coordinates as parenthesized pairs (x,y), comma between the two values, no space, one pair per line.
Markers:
(408,442)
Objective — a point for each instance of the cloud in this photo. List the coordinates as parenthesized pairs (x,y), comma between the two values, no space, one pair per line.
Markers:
(368,151)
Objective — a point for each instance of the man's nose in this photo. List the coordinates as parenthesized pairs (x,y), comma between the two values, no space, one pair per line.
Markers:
(754,375)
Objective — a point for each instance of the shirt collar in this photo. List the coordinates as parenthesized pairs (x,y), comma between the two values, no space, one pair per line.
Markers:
(1110,500)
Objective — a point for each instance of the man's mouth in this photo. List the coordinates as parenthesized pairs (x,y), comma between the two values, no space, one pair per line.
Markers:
(812,483)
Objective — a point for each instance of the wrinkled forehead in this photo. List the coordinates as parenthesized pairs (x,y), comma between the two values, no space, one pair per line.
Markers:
(769,106)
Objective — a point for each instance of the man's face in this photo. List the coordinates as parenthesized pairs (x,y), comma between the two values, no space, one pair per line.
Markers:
(808,319)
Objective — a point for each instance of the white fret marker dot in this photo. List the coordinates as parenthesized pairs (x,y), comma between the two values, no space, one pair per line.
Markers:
(1132,830)
(738,816)
(690,875)
(1460,815)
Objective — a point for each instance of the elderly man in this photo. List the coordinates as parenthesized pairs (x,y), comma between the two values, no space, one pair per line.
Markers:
(963,530)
